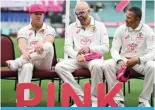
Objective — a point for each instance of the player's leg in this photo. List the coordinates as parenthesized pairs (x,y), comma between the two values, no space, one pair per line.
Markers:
(19,62)
(64,69)
(110,70)
(24,76)
(95,68)
(147,70)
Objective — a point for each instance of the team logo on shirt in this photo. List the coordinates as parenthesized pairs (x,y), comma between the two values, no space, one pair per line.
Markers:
(33,43)
(127,37)
(93,29)
(132,47)
(78,30)
(140,36)
(30,34)
(85,41)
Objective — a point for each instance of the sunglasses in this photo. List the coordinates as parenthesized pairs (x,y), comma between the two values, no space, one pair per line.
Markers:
(81,13)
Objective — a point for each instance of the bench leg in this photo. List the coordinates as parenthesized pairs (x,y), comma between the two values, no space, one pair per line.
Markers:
(124,88)
(129,89)
(40,82)
(16,81)
(59,91)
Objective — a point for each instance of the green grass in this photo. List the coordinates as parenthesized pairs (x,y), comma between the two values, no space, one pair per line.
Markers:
(8,94)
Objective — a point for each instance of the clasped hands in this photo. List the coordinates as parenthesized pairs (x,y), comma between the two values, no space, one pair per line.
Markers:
(131,61)
(38,48)
(81,53)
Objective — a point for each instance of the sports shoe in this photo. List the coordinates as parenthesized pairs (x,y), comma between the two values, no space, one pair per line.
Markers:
(12,65)
(144,104)
(93,105)
(119,103)
(74,105)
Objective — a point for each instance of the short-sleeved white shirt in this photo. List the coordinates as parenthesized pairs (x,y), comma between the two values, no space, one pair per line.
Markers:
(33,36)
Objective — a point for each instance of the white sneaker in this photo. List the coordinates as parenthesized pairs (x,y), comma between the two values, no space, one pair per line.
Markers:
(12,65)
(119,103)
(74,105)
(94,104)
(144,104)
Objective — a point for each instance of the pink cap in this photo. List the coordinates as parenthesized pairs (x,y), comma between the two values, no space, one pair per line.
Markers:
(37,8)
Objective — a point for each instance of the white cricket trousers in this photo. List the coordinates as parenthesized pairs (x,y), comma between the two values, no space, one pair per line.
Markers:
(147,69)
(40,62)
(65,68)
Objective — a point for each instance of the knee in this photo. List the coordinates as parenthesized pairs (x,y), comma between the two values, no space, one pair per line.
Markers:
(150,68)
(28,66)
(150,65)
(58,67)
(26,70)
(96,66)
(48,47)
(108,64)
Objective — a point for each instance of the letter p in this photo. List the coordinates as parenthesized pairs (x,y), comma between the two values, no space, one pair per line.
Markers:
(20,94)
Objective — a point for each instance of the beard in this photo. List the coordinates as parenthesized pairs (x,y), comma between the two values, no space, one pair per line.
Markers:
(127,24)
(82,19)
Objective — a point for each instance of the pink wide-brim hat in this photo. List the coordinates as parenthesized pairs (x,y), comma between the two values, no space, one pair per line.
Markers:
(37,8)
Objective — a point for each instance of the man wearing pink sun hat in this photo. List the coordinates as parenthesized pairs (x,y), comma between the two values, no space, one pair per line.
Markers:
(36,8)
(35,44)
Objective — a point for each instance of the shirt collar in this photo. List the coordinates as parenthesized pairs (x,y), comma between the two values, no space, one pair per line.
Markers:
(137,29)
(92,22)
(41,29)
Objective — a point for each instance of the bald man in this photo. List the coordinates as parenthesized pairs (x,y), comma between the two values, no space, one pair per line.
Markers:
(84,36)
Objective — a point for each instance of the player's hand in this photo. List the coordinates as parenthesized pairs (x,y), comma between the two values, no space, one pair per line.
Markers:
(121,64)
(84,50)
(26,56)
(80,58)
(132,61)
(39,48)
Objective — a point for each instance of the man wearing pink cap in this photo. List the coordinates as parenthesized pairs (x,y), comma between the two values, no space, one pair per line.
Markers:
(35,44)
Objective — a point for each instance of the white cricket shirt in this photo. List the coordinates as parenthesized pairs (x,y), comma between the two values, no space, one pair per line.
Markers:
(134,42)
(33,36)
(94,36)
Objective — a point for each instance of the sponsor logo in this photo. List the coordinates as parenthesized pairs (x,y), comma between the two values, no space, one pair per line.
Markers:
(85,41)
(30,34)
(140,36)
(78,30)
(127,37)
(132,47)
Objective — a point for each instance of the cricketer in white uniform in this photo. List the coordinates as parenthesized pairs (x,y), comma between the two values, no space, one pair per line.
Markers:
(35,44)
(136,40)
(85,35)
